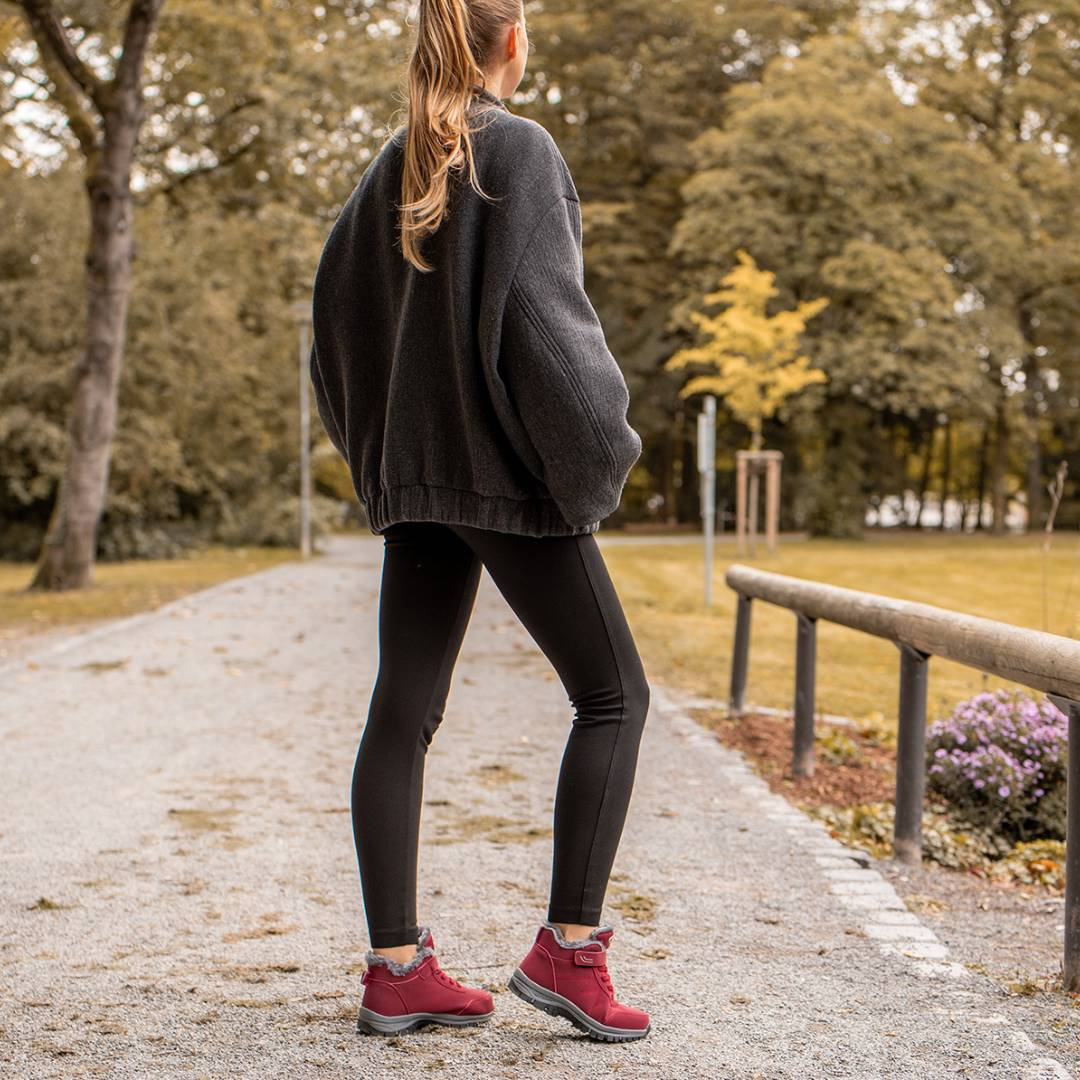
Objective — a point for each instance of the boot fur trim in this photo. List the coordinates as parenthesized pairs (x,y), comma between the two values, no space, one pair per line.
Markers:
(577,943)
(397,967)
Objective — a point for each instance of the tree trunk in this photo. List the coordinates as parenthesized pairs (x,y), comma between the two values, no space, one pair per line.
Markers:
(1036,502)
(1035,494)
(984,453)
(68,552)
(668,489)
(946,471)
(924,479)
(688,500)
(997,471)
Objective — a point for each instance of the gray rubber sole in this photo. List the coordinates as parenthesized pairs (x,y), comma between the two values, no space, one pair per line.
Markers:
(556,1005)
(373,1023)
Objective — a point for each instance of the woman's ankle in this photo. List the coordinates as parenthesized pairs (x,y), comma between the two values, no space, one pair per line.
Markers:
(401,954)
(574,931)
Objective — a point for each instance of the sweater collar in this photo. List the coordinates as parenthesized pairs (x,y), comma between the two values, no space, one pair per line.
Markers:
(488,96)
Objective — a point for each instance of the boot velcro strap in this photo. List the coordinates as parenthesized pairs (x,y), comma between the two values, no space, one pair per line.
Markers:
(590,958)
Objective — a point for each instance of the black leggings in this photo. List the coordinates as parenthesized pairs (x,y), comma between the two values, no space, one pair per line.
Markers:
(558,586)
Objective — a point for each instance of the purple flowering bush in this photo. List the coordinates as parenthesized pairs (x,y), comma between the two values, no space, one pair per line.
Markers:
(1000,759)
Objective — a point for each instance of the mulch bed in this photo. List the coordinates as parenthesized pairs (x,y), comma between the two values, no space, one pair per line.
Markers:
(767,742)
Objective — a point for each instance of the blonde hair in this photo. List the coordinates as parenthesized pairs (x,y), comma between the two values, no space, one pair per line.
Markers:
(455,40)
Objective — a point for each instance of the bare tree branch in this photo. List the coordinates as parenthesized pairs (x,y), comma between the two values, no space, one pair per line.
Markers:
(52,39)
(140,24)
(177,180)
(84,123)
(154,150)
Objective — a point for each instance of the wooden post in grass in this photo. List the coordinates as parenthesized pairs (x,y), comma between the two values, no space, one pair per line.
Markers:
(749,465)
(772,497)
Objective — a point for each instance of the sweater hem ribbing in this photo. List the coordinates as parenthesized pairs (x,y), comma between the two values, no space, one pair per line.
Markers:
(456,506)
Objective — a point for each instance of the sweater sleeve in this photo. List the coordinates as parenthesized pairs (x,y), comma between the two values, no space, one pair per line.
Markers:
(322,406)
(560,375)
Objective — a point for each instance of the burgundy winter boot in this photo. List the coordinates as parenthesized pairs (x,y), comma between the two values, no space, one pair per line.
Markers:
(570,979)
(400,997)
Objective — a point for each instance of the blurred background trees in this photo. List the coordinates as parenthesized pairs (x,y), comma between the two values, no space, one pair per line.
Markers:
(916,167)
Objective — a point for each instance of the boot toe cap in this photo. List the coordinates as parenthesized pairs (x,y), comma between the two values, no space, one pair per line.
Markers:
(480,1003)
(626,1016)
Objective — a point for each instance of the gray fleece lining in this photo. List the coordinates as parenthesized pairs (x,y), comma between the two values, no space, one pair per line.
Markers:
(372,958)
(578,942)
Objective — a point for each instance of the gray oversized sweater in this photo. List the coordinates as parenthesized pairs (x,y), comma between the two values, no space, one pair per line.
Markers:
(482,392)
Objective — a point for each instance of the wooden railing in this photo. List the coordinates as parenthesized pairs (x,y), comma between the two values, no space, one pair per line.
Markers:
(1038,660)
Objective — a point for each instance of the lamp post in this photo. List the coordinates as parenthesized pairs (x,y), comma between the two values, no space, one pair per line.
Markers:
(301,313)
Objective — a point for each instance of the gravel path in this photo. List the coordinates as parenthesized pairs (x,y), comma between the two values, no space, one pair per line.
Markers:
(179,893)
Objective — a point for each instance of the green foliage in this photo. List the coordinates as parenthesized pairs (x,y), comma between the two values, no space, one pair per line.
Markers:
(876,731)
(822,172)
(755,355)
(1008,80)
(272,521)
(208,424)
(919,170)
(625,86)
(1033,862)
(132,539)
(329,473)
(835,748)
(948,839)
(894,212)
(246,104)
(41,296)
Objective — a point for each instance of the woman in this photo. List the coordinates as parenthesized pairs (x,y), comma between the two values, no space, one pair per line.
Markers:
(461,371)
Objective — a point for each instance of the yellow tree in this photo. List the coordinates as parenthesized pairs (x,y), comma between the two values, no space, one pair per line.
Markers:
(755,356)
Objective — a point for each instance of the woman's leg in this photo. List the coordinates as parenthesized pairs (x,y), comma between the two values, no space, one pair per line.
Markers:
(428,587)
(559,588)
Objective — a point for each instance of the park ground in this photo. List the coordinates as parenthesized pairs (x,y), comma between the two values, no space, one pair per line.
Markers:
(123,588)
(661,582)
(213,734)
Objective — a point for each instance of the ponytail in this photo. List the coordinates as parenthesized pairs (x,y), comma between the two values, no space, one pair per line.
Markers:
(455,39)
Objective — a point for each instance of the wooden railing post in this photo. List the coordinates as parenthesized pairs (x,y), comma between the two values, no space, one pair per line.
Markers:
(910,755)
(740,655)
(1070,975)
(1034,658)
(802,758)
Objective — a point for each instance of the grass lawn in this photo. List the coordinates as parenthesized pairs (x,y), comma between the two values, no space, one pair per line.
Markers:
(857,675)
(122,588)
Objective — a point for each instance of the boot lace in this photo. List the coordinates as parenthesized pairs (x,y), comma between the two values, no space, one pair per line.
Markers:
(446,979)
(605,978)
